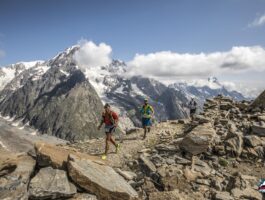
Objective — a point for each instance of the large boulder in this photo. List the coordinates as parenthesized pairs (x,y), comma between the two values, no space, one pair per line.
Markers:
(146,165)
(199,139)
(259,101)
(84,196)
(247,193)
(51,183)
(234,146)
(56,156)
(14,185)
(100,180)
(253,140)
(202,119)
(7,162)
(225,106)
(258,129)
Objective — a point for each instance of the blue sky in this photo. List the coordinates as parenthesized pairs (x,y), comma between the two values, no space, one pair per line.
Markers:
(35,29)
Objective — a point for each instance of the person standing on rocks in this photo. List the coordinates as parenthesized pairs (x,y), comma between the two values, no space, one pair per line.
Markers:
(193,107)
(147,112)
(110,119)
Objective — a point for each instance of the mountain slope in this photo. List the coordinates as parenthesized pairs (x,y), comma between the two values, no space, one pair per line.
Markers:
(259,102)
(59,102)
(203,89)
(126,94)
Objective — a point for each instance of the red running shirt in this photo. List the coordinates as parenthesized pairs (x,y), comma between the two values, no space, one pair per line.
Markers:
(107,119)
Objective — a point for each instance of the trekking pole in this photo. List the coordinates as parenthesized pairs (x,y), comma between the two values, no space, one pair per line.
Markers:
(120,133)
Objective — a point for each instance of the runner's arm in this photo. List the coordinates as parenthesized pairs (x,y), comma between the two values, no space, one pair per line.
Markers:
(116,119)
(101,122)
(152,110)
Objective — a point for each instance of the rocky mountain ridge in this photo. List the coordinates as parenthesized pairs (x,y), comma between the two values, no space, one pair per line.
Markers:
(57,96)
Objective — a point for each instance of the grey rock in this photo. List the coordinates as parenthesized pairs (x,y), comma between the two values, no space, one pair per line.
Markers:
(182,161)
(157,160)
(234,146)
(261,118)
(222,196)
(203,182)
(258,129)
(166,148)
(260,150)
(199,139)
(202,167)
(217,184)
(170,161)
(226,106)
(147,165)
(51,183)
(252,140)
(259,101)
(84,196)
(15,184)
(201,119)
(100,180)
(247,193)
(128,175)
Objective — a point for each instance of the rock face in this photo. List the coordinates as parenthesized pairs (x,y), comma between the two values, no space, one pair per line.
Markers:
(202,91)
(199,139)
(148,166)
(252,140)
(259,101)
(128,94)
(50,96)
(234,146)
(258,129)
(14,185)
(57,101)
(100,180)
(51,183)
(51,155)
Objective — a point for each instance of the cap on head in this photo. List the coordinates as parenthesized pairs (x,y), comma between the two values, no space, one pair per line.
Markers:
(106,105)
(145,100)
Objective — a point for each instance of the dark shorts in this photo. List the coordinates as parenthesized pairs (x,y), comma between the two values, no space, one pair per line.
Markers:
(109,129)
(192,111)
(146,122)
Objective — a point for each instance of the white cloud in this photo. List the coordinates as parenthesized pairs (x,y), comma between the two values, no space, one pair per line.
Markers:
(170,65)
(258,21)
(2,53)
(248,89)
(92,55)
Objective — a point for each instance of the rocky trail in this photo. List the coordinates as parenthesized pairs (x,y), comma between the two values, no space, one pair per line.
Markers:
(218,155)
(131,144)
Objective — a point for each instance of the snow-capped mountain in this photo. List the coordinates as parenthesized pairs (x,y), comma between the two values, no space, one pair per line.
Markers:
(126,94)
(9,72)
(203,89)
(54,97)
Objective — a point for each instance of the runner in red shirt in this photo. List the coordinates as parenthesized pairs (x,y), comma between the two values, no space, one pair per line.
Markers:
(110,119)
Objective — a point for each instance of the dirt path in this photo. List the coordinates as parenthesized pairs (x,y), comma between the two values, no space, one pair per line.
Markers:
(131,143)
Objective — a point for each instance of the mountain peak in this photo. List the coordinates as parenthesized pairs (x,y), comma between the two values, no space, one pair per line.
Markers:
(213,79)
